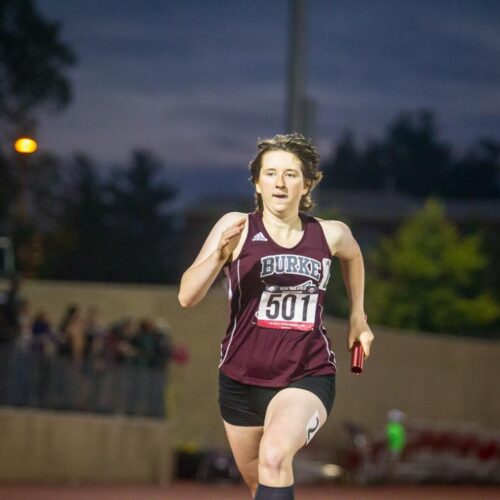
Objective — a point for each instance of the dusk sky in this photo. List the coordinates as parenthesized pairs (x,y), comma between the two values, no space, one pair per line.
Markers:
(198,81)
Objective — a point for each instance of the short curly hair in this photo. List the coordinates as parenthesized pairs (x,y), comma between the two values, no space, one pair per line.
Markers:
(303,149)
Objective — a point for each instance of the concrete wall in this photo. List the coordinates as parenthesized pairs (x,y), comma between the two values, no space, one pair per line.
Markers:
(428,377)
(50,447)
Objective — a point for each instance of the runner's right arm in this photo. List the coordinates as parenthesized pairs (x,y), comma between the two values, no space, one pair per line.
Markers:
(216,251)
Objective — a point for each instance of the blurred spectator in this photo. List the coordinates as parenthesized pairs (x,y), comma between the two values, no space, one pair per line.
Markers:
(9,329)
(71,345)
(127,372)
(5,349)
(112,341)
(72,335)
(154,349)
(43,349)
(395,433)
(81,365)
(21,359)
(145,343)
(12,304)
(43,336)
(159,368)
(105,391)
(93,360)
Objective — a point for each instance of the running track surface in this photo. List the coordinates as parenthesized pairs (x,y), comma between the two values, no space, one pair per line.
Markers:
(194,491)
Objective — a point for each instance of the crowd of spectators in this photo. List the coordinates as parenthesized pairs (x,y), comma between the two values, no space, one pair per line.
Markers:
(78,363)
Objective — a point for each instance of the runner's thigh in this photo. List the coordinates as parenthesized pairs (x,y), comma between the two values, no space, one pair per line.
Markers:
(293,417)
(244,442)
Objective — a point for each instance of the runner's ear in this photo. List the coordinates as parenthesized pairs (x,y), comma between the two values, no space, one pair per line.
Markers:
(307,187)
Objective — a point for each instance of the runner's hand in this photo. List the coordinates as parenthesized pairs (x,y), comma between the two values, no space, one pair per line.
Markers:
(229,240)
(359,331)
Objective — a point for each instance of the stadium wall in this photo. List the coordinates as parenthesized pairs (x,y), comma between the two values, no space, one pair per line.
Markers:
(433,378)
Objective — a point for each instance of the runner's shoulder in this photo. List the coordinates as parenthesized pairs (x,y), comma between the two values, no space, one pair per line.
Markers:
(228,219)
(232,217)
(335,231)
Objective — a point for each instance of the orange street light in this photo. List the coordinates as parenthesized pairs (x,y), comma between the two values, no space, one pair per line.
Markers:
(25,145)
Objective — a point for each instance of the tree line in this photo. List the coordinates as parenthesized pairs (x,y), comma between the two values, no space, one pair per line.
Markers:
(78,224)
(411,158)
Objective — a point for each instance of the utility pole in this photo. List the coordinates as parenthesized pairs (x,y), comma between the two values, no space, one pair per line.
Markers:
(301,110)
(298,106)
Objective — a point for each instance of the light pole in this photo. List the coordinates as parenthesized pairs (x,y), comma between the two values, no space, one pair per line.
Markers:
(26,241)
(298,112)
(24,146)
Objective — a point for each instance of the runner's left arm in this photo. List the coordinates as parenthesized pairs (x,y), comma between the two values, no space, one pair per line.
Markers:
(344,246)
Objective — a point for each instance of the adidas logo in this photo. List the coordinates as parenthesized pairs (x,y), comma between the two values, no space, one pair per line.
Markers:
(259,237)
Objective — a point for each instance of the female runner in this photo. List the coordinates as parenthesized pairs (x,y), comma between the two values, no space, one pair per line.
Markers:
(277,371)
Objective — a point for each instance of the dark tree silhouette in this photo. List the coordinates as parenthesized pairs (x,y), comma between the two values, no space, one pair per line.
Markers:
(36,211)
(352,168)
(143,232)
(415,160)
(8,191)
(33,60)
(477,174)
(95,229)
(344,167)
(46,189)
(412,159)
(77,247)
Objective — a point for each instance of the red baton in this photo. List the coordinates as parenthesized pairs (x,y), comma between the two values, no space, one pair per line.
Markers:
(357,357)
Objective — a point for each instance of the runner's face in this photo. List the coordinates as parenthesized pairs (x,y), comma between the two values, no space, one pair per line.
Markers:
(281,181)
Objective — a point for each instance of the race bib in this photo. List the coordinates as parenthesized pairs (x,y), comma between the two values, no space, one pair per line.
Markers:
(288,307)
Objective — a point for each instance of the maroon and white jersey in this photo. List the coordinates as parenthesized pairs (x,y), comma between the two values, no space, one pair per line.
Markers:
(276,333)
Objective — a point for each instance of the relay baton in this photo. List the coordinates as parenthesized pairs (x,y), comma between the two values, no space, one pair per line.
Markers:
(357,357)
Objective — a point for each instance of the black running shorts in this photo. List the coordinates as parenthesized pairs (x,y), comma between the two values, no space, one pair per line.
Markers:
(246,405)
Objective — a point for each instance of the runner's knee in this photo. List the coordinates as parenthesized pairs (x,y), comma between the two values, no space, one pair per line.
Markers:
(274,454)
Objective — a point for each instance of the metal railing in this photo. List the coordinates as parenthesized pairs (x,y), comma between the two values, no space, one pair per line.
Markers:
(55,381)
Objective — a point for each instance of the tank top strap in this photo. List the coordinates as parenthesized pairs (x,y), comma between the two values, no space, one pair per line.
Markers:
(255,227)
(255,223)
(315,231)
